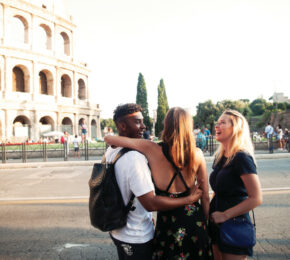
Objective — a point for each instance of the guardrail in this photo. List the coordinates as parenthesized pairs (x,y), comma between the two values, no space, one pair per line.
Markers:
(28,152)
(25,152)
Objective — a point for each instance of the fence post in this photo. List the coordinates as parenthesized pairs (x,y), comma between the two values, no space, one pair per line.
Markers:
(65,150)
(24,155)
(211,145)
(3,152)
(86,150)
(44,151)
(271,148)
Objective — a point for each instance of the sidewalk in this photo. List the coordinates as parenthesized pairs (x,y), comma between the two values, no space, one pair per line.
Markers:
(19,165)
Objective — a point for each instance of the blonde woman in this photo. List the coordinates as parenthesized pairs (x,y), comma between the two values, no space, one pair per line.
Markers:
(234,181)
(176,165)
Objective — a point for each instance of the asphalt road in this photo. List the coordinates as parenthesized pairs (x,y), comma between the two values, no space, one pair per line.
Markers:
(44,214)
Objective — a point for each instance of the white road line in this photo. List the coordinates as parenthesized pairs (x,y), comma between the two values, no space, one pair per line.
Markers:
(87,197)
(45,198)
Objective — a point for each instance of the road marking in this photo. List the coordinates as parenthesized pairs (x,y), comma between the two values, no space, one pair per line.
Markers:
(85,199)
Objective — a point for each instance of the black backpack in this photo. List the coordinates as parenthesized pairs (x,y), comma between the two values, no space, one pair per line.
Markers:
(106,205)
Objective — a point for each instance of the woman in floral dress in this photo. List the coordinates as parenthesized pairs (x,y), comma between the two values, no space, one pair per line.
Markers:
(176,165)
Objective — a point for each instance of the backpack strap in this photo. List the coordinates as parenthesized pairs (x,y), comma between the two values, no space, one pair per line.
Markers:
(120,153)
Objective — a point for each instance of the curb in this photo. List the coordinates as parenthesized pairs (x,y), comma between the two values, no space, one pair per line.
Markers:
(91,163)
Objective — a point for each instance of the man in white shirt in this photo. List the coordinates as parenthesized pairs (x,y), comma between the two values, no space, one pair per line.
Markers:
(269,130)
(134,241)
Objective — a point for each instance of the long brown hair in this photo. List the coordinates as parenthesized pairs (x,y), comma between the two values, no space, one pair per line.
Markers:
(178,135)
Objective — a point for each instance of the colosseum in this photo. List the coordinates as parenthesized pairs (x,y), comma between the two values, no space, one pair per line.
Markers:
(42,87)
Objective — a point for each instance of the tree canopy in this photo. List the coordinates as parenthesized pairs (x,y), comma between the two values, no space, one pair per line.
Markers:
(162,108)
(141,99)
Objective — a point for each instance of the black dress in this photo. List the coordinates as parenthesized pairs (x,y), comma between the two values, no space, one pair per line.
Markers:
(181,233)
(229,191)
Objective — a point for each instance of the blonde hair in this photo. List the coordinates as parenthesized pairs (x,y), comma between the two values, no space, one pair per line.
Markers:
(178,135)
(240,139)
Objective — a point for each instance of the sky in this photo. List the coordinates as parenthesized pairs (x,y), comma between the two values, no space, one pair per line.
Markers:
(202,49)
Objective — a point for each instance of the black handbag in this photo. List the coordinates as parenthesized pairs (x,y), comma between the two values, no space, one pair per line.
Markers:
(238,232)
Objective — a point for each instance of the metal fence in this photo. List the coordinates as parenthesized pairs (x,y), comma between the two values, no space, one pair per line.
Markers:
(36,152)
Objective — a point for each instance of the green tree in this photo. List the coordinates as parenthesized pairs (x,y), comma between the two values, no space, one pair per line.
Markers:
(162,108)
(141,99)
(108,123)
(206,114)
(258,106)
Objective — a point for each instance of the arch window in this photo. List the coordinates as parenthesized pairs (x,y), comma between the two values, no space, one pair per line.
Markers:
(66,43)
(21,127)
(66,87)
(44,40)
(82,89)
(46,124)
(43,83)
(66,125)
(18,83)
(19,29)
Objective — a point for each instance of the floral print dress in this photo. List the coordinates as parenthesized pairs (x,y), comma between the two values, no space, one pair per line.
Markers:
(181,233)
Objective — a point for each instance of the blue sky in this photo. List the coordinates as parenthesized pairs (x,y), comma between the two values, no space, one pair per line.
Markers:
(203,49)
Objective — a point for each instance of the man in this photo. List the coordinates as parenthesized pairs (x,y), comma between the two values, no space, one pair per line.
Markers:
(269,130)
(207,135)
(134,241)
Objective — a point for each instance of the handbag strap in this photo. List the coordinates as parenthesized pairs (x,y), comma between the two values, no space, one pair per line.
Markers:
(254,219)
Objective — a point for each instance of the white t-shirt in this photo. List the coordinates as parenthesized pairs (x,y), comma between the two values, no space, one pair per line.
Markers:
(269,130)
(76,143)
(133,175)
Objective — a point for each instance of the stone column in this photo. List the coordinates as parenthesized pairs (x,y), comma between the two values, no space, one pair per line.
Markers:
(89,120)
(35,82)
(75,124)
(57,85)
(99,132)
(35,126)
(9,127)
(4,23)
(74,88)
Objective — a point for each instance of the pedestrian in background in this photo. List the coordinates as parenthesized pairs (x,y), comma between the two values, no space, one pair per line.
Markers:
(234,181)
(269,132)
(280,137)
(207,135)
(76,147)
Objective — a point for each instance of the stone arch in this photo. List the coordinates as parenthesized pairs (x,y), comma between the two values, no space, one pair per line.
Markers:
(46,124)
(45,82)
(66,43)
(66,125)
(20,79)
(45,37)
(20,29)
(21,128)
(81,89)
(66,86)
(93,129)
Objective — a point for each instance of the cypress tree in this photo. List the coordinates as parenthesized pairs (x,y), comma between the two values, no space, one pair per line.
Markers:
(162,108)
(141,99)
